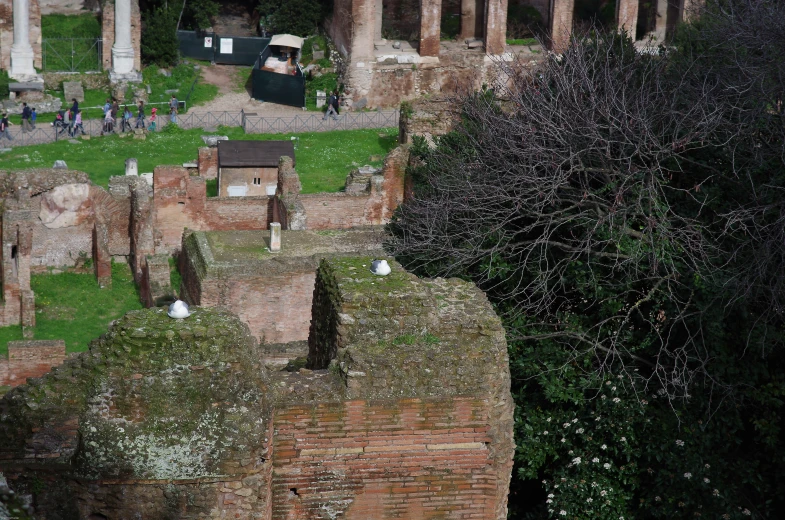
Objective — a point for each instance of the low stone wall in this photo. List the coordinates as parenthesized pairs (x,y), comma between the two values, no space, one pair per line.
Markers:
(32,358)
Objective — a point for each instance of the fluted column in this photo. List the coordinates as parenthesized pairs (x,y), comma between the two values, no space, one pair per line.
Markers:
(21,51)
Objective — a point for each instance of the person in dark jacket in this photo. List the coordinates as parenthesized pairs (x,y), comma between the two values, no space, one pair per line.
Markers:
(26,113)
(72,116)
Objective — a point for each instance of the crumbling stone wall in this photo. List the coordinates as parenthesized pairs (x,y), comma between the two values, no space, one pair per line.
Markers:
(402,338)
(371,206)
(181,202)
(271,293)
(178,418)
(31,358)
(161,418)
(427,118)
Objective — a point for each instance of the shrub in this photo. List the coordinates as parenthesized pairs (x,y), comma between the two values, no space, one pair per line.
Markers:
(297,17)
(159,38)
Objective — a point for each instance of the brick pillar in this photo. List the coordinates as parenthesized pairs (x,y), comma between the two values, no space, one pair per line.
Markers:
(496,26)
(561,24)
(661,20)
(102,259)
(689,8)
(430,27)
(472,12)
(142,243)
(627,16)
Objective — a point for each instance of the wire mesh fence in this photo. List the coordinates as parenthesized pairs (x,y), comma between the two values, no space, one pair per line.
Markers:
(47,132)
(71,54)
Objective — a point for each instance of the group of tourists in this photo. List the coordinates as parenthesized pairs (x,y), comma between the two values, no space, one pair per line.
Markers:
(70,120)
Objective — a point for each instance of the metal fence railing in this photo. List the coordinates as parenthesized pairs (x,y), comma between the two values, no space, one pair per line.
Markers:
(71,54)
(251,123)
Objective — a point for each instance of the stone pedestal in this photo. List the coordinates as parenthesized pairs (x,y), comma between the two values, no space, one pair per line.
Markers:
(275,237)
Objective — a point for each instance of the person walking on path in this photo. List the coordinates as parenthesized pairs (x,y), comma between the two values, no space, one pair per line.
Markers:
(173,105)
(126,124)
(25,118)
(107,106)
(140,115)
(153,118)
(78,127)
(337,103)
(4,124)
(33,117)
(115,109)
(71,115)
(331,102)
(108,123)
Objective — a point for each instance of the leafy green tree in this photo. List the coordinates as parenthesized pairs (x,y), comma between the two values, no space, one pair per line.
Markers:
(298,17)
(623,212)
(159,38)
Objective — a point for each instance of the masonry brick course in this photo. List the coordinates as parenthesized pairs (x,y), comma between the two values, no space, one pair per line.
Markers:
(32,358)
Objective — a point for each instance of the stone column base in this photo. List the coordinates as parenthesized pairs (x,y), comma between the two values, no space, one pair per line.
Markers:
(126,77)
(123,60)
(22,63)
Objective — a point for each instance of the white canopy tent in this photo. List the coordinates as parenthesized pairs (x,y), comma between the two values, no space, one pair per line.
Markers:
(287,40)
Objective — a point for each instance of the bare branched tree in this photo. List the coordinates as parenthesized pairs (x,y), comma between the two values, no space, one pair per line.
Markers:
(591,202)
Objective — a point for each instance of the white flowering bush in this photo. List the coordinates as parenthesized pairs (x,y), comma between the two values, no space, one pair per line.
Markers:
(589,452)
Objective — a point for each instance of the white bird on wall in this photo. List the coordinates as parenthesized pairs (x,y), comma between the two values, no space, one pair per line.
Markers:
(179,309)
(380,267)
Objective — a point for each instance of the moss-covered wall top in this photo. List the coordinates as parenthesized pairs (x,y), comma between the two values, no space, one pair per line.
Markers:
(154,398)
(401,336)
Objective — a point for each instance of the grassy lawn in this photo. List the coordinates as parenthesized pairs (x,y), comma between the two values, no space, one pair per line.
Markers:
(323,158)
(72,307)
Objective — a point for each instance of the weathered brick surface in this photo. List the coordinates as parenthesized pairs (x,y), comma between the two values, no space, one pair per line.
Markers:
(181,202)
(627,16)
(208,162)
(178,418)
(430,27)
(412,458)
(271,293)
(30,359)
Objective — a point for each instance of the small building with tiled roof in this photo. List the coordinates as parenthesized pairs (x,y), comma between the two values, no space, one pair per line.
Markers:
(250,168)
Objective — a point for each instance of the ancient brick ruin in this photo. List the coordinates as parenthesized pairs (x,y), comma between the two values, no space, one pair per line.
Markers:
(54,218)
(379,73)
(405,411)
(31,358)
(270,292)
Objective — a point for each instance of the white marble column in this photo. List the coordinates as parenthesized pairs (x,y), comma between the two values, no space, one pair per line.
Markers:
(21,51)
(122,50)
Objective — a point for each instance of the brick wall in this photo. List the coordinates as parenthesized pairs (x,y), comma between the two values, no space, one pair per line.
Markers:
(107,33)
(181,202)
(208,162)
(30,359)
(277,308)
(411,458)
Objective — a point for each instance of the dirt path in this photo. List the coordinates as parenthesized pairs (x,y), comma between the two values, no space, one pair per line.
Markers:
(225,78)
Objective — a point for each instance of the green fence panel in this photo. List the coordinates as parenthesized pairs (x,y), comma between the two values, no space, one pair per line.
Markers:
(199,45)
(237,50)
(277,88)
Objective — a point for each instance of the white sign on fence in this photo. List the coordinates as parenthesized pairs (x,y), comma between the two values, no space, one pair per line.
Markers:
(208,41)
(226,45)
